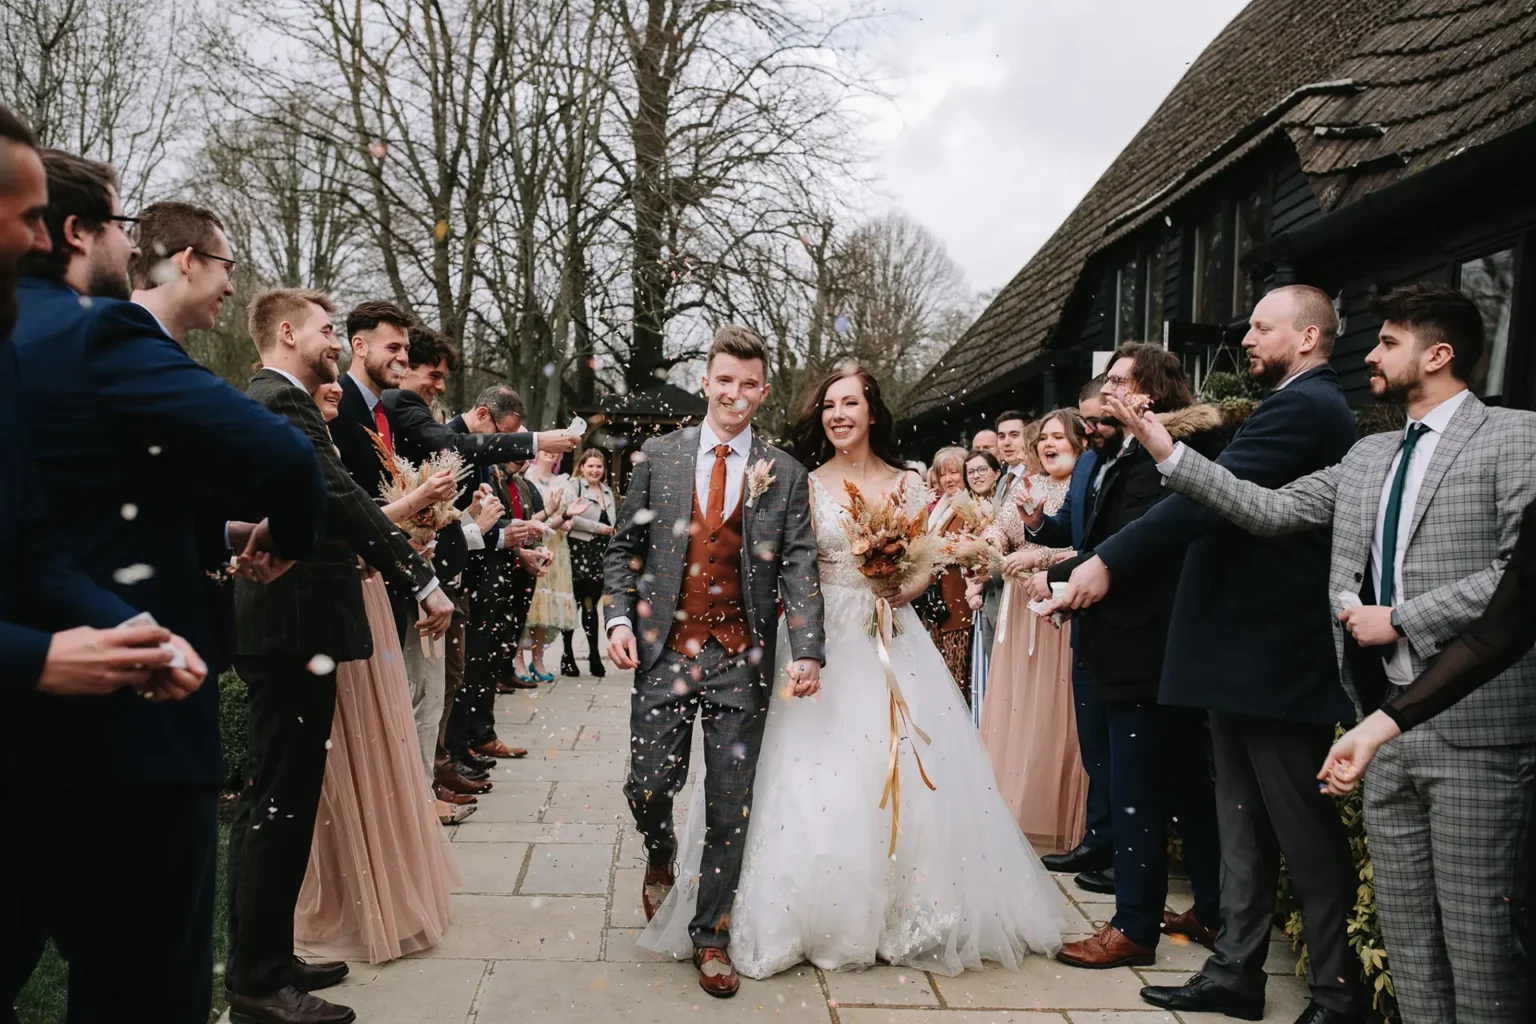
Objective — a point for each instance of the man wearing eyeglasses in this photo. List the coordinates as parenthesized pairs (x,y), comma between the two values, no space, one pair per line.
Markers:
(142,455)
(182,271)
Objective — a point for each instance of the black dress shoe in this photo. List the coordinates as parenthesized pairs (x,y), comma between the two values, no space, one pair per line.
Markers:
(475,761)
(568,668)
(1315,1014)
(313,977)
(1202,994)
(595,668)
(287,1006)
(472,774)
(1084,858)
(1097,881)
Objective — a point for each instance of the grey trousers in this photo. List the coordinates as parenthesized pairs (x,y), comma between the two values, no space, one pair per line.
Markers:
(727,694)
(1268,803)
(1448,828)
(428,678)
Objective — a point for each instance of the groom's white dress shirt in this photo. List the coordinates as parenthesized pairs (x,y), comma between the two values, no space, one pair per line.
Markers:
(704,465)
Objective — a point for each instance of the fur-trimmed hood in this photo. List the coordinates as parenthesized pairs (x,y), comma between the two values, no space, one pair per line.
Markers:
(1199,419)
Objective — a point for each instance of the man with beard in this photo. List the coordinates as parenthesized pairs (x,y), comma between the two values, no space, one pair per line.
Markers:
(133,427)
(1424,521)
(1269,682)
(1094,857)
(291,634)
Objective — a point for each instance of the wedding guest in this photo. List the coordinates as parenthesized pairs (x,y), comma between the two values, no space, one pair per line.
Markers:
(554,601)
(1423,522)
(380,866)
(1028,723)
(146,455)
(952,631)
(982,471)
(500,582)
(1093,859)
(1269,682)
(1012,451)
(985,441)
(181,272)
(291,635)
(1157,761)
(593,511)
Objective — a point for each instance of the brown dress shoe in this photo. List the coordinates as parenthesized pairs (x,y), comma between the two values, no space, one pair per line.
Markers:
(717,975)
(496,748)
(516,685)
(1109,948)
(659,881)
(1189,926)
(312,977)
(286,1006)
(449,778)
(448,796)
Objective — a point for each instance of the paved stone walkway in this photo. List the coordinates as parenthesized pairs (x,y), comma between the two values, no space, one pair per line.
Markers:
(546,921)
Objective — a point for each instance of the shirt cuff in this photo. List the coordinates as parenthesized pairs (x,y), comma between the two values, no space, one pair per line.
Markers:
(226,535)
(474,540)
(617,621)
(534,434)
(1168,465)
(426,591)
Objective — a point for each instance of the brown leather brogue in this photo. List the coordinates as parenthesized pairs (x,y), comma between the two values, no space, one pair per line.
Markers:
(448,796)
(449,778)
(717,975)
(659,880)
(1109,948)
(1189,926)
(496,748)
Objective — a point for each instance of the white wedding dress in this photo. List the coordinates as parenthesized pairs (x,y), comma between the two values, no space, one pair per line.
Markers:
(818,882)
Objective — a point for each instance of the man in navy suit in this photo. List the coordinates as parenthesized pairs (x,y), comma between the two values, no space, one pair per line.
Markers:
(145,458)
(1094,856)
(1269,681)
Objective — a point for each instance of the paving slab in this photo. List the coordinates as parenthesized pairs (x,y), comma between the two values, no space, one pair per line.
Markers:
(881,986)
(571,869)
(1042,984)
(476,831)
(522,928)
(413,991)
(490,868)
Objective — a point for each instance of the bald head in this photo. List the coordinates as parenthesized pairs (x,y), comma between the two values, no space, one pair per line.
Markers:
(1312,307)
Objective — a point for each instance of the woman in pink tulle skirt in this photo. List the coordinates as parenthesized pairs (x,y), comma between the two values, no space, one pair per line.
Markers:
(1028,721)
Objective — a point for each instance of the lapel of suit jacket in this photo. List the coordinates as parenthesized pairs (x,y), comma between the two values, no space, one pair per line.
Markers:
(1457,433)
(1111,474)
(1088,465)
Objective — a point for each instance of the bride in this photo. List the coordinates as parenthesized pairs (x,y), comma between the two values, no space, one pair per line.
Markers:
(822,880)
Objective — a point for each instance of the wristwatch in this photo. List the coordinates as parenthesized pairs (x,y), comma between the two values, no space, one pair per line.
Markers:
(1397,625)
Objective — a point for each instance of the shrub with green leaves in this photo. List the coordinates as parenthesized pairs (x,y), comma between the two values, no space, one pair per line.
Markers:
(233,719)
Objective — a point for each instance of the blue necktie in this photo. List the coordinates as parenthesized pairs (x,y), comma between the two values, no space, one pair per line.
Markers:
(1394,514)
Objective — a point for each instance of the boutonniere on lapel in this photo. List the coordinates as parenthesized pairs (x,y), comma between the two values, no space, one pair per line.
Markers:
(759,479)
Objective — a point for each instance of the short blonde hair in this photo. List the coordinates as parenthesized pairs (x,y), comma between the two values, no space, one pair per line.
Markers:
(946,457)
(276,306)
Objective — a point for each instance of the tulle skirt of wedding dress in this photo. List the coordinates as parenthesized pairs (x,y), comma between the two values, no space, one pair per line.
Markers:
(818,882)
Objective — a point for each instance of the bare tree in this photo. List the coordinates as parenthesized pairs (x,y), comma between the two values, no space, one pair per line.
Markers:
(102,78)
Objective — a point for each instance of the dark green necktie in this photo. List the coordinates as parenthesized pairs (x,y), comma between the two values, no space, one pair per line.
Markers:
(1394,513)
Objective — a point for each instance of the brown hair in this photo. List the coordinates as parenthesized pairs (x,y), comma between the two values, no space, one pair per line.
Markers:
(12,130)
(1159,375)
(1091,389)
(1032,463)
(590,453)
(1314,309)
(809,438)
(431,347)
(77,188)
(1010,414)
(1437,315)
(276,306)
(365,316)
(1071,424)
(166,229)
(742,342)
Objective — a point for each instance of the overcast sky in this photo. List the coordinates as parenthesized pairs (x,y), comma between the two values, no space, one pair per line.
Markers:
(1007,111)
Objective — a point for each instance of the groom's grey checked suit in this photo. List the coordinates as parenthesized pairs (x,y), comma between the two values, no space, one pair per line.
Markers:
(644,576)
(1447,805)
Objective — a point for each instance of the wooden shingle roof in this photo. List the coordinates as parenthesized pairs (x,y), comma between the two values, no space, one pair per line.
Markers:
(1367,91)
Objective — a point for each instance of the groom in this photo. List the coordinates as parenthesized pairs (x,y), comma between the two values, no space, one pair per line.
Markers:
(716,525)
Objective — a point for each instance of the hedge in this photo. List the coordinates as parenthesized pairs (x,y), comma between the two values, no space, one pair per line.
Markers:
(233,730)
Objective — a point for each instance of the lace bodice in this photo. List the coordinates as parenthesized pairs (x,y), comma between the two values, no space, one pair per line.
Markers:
(834,559)
(1007,532)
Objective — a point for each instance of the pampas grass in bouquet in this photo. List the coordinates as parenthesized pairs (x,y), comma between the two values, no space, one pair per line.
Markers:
(890,544)
(404,477)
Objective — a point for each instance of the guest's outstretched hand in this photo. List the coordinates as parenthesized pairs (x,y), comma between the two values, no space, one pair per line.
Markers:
(1031,507)
(1351,755)
(1144,426)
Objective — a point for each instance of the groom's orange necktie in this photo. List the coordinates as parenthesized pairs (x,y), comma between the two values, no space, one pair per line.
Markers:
(714,508)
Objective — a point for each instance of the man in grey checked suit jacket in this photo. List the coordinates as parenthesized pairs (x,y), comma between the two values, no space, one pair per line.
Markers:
(715,526)
(1446,806)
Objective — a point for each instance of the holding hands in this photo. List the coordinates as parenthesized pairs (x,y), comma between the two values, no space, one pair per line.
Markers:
(804,677)
(1352,754)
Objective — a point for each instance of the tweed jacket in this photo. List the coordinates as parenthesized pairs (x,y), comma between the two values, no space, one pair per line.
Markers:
(1461,534)
(644,566)
(317,606)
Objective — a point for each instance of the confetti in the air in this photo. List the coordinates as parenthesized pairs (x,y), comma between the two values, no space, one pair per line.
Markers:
(128,575)
(129,511)
(321,664)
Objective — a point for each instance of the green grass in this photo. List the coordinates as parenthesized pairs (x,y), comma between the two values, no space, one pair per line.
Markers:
(43,1000)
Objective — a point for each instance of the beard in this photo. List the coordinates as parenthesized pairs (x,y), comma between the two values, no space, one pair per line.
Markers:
(385,373)
(324,369)
(1396,392)
(8,278)
(1270,373)
(106,282)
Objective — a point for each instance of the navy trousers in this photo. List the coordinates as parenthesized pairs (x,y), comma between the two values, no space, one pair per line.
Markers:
(1093,743)
(1160,768)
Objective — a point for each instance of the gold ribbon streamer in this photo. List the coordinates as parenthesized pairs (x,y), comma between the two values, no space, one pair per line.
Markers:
(899,710)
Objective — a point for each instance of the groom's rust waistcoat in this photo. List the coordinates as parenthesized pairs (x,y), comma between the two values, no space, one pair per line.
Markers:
(711,599)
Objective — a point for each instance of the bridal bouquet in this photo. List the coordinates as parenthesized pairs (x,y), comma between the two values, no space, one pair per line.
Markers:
(405,477)
(890,544)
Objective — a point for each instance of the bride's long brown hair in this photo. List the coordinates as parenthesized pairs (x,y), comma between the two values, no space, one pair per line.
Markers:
(809,438)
